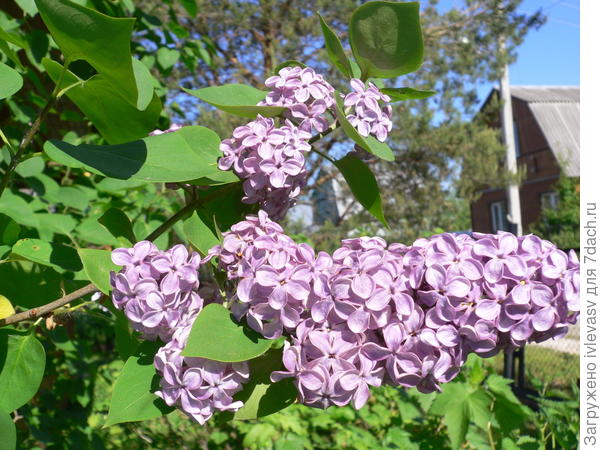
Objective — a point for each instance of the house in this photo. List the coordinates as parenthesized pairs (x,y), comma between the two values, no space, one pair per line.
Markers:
(546,126)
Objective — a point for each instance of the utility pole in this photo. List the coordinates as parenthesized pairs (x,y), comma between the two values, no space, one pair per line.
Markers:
(513,203)
(508,137)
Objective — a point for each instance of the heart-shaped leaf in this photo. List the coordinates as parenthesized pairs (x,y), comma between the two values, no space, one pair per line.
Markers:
(116,119)
(238,99)
(21,374)
(133,396)
(216,335)
(103,41)
(386,38)
(261,396)
(97,265)
(58,256)
(186,154)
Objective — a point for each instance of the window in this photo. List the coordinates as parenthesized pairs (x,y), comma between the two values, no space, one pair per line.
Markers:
(517,139)
(549,200)
(498,214)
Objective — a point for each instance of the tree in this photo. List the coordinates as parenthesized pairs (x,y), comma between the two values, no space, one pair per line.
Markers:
(560,224)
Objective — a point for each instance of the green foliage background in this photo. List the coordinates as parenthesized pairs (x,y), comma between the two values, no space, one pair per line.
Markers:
(440,160)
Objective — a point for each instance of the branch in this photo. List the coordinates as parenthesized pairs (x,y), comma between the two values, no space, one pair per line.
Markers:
(88,289)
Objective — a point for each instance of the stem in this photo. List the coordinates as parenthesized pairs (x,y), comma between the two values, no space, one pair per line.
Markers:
(16,158)
(316,137)
(490,436)
(324,155)
(43,310)
(88,289)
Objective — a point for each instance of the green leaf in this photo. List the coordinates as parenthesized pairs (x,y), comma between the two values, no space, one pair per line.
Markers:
(8,431)
(17,209)
(238,99)
(10,81)
(386,38)
(216,335)
(370,144)
(167,57)
(9,230)
(97,265)
(30,167)
(23,368)
(132,397)
(460,404)
(4,39)
(509,412)
(28,6)
(118,224)
(363,185)
(191,7)
(261,396)
(116,119)
(288,63)
(199,234)
(55,223)
(58,256)
(186,154)
(335,51)
(406,93)
(103,41)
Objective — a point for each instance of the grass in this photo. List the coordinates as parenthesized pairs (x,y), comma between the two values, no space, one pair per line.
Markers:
(558,369)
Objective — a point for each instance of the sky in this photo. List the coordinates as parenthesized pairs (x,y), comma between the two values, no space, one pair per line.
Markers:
(548,56)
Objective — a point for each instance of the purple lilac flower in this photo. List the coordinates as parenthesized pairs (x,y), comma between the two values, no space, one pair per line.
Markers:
(271,162)
(197,386)
(305,93)
(367,116)
(156,290)
(173,127)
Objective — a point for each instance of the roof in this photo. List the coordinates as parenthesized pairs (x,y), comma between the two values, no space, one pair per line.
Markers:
(556,110)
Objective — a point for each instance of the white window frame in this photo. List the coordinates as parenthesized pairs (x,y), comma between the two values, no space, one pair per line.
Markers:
(549,200)
(498,213)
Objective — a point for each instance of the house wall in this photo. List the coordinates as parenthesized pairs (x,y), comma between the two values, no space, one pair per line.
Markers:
(542,171)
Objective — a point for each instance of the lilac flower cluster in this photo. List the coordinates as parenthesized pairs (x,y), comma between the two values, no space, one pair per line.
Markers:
(196,385)
(404,315)
(305,93)
(367,116)
(158,292)
(270,160)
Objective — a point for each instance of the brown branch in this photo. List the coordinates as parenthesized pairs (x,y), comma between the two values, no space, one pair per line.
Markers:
(88,289)
(34,313)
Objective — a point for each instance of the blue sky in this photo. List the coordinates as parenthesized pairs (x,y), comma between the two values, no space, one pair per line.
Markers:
(548,56)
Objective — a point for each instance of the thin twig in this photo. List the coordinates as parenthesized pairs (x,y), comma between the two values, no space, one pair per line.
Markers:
(88,289)
(16,158)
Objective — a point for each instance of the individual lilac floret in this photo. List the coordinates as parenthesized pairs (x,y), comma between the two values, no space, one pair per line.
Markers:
(305,93)
(197,386)
(271,162)
(367,116)
(156,290)
(173,127)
